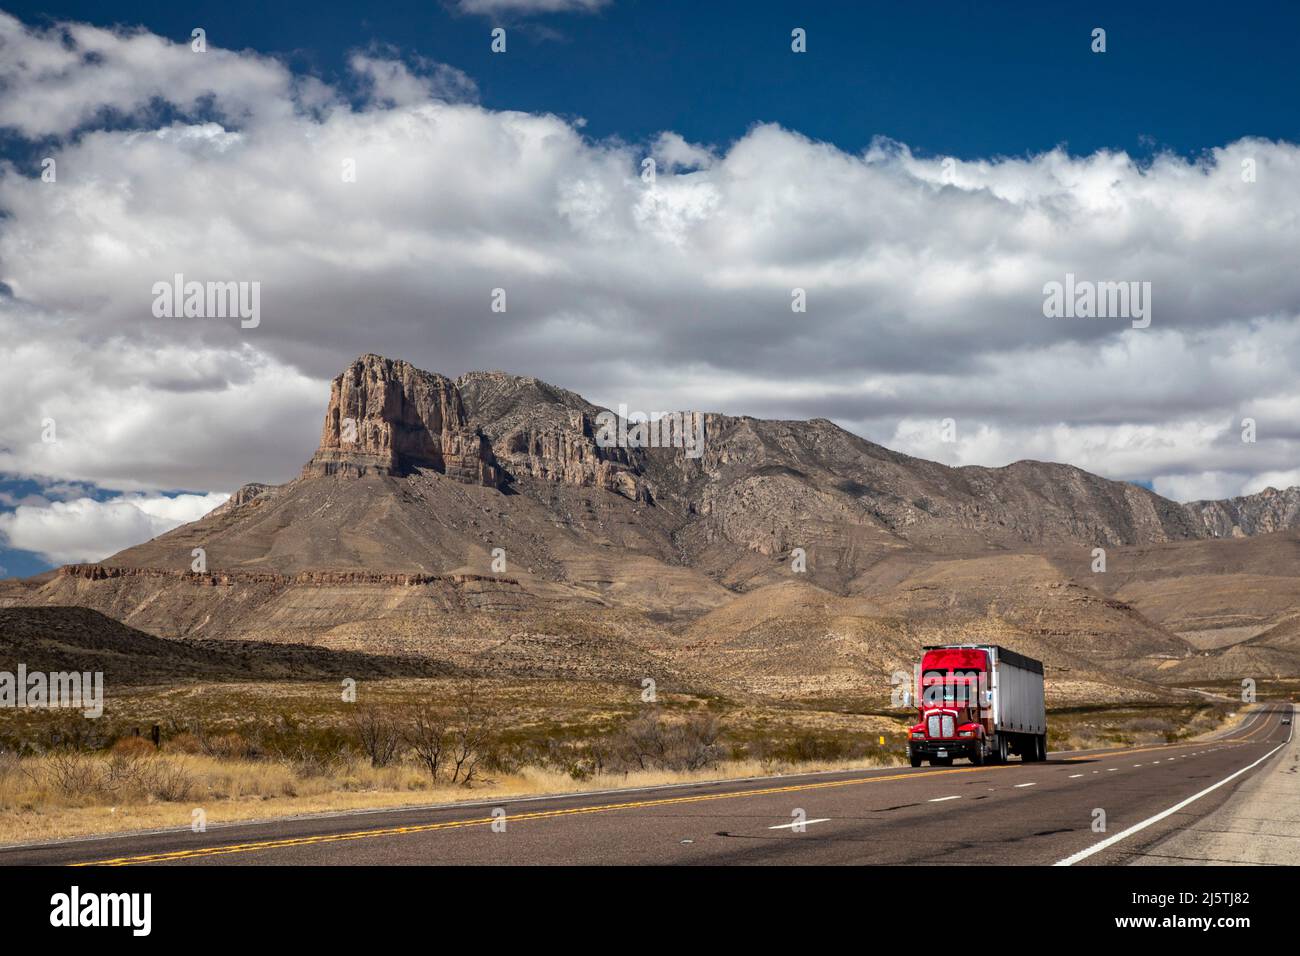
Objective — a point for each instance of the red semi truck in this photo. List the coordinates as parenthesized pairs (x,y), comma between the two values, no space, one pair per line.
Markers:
(978,701)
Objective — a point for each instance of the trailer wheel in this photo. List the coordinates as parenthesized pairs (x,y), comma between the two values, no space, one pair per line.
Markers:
(1002,748)
(1042,747)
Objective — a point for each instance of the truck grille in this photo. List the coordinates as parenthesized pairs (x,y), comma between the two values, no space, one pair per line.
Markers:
(941,725)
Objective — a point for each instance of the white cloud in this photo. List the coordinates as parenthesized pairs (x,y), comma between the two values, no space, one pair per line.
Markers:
(530,6)
(390,82)
(60,78)
(924,281)
(1205,486)
(85,530)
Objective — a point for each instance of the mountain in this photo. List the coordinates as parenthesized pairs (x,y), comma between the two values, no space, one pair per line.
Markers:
(486,521)
(1260,513)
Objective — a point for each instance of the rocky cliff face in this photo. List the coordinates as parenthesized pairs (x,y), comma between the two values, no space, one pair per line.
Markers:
(1260,513)
(766,486)
(540,431)
(386,417)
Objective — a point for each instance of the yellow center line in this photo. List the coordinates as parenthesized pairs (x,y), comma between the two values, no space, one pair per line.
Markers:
(257,845)
(535,815)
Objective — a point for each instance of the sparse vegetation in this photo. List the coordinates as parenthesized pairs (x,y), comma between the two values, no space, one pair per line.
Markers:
(247,750)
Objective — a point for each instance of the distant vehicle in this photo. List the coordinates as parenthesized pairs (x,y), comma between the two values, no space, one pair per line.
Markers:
(978,701)
(1286,720)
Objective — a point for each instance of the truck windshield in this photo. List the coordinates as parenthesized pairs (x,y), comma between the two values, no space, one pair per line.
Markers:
(951,687)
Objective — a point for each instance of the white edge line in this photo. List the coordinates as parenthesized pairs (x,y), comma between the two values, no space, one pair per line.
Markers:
(1111,841)
(799,823)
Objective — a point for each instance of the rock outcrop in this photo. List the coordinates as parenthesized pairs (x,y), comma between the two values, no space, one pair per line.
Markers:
(387,418)
(1260,513)
(540,431)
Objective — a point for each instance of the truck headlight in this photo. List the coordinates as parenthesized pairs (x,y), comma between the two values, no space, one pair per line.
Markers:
(967,733)
(918,736)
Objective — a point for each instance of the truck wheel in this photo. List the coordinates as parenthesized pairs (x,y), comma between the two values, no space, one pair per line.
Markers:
(977,755)
(915,759)
(1002,748)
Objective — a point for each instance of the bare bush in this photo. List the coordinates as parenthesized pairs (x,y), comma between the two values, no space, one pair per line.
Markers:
(469,738)
(231,746)
(124,771)
(428,735)
(168,780)
(308,763)
(377,735)
(652,742)
(71,774)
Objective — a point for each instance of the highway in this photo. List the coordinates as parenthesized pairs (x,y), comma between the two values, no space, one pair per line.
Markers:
(1037,813)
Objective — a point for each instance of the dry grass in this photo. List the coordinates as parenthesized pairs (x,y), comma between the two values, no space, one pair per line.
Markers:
(73,794)
(1094,728)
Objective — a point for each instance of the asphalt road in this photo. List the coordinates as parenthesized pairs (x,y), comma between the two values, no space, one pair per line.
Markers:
(1038,813)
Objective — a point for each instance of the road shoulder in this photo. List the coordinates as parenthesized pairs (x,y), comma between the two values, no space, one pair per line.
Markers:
(1259,825)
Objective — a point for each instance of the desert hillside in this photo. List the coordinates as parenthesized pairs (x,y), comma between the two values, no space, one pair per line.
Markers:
(482,524)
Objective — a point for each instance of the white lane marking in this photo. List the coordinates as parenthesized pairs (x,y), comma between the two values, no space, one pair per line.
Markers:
(1019,785)
(1111,841)
(942,799)
(798,823)
(1137,765)
(1073,775)
(1111,769)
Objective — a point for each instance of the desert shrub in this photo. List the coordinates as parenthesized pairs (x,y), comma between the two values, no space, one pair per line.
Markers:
(124,773)
(229,746)
(427,734)
(71,773)
(653,742)
(377,734)
(133,747)
(184,743)
(308,763)
(469,737)
(169,780)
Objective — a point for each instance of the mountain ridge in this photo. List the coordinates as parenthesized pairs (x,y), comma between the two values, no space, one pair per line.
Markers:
(486,519)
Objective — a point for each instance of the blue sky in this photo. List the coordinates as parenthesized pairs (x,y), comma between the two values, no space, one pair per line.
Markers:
(776,173)
(965,79)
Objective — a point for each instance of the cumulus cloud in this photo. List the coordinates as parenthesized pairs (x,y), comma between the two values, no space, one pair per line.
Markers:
(65,76)
(85,530)
(924,277)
